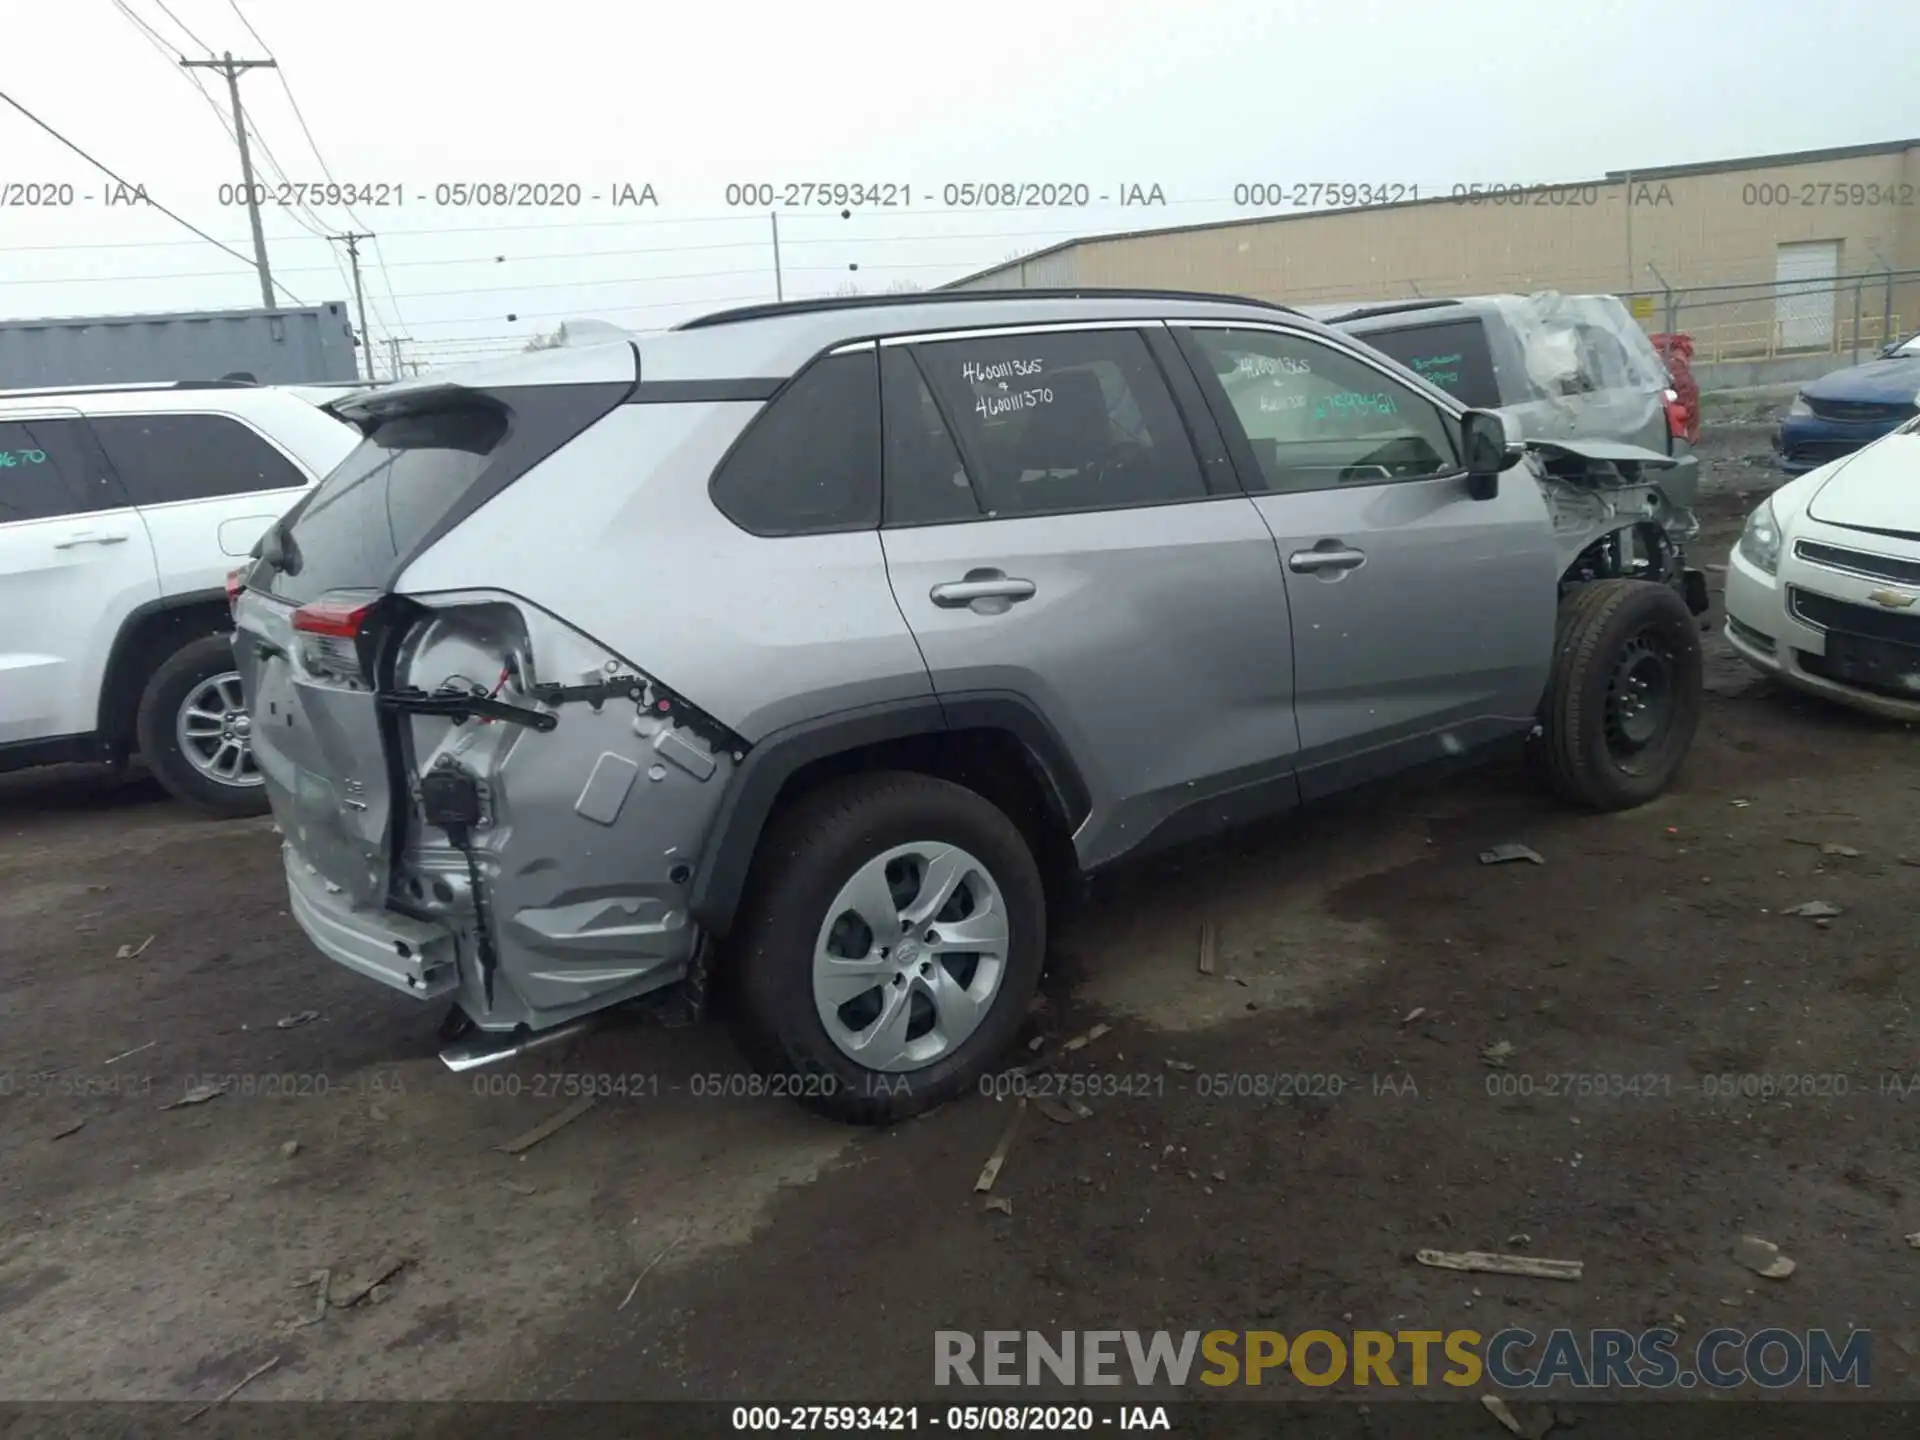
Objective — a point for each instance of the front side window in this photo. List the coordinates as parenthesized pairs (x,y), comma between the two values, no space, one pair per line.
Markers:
(1317,418)
(160,458)
(1063,421)
(50,468)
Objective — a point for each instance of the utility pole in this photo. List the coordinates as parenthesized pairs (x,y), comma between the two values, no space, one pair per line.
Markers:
(393,353)
(779,290)
(232,69)
(353,239)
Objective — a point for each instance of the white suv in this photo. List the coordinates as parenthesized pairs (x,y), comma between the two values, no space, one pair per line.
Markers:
(122,511)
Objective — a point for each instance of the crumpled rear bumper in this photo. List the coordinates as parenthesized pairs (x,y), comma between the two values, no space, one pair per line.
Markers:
(415,956)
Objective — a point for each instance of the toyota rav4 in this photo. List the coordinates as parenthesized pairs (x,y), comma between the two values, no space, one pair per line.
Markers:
(821,647)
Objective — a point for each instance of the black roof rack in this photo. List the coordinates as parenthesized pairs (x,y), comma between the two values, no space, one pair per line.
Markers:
(956,297)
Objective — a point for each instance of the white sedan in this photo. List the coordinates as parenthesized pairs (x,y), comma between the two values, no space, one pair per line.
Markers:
(1823,590)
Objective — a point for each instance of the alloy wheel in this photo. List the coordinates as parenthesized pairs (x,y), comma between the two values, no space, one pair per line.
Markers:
(216,733)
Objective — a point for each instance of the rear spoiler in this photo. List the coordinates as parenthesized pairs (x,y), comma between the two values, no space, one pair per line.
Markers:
(364,409)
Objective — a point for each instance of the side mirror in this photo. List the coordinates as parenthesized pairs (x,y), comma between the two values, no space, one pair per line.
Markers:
(1484,448)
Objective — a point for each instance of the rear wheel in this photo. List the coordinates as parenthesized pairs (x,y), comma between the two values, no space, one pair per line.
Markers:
(195,733)
(890,946)
(1625,697)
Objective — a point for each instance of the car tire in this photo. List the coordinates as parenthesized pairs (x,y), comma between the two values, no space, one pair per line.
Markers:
(182,676)
(809,856)
(1625,695)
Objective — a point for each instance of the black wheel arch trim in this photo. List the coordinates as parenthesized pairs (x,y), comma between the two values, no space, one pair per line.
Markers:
(122,652)
(720,875)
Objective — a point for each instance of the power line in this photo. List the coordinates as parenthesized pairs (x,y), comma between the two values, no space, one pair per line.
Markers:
(183,25)
(314,145)
(129,186)
(503,288)
(154,38)
(785,242)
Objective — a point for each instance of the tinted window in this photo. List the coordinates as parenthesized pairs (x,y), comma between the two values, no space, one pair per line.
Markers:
(810,462)
(1079,420)
(378,503)
(190,457)
(1316,417)
(1453,356)
(50,468)
(925,479)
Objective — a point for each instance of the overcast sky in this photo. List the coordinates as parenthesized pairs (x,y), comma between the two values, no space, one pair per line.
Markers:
(1192,97)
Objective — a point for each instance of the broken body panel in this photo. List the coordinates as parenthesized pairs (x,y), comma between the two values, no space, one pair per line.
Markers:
(592,787)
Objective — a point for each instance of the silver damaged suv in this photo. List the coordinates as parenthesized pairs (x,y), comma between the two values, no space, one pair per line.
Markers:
(821,647)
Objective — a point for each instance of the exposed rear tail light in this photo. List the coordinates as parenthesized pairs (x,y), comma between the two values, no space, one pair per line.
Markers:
(328,631)
(332,615)
(236,582)
(1678,421)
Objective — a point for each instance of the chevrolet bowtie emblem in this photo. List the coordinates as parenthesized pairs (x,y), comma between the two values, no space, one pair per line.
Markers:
(1892,599)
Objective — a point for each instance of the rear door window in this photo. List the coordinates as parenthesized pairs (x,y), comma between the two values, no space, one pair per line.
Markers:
(1063,421)
(926,481)
(382,500)
(809,464)
(1454,356)
(163,458)
(50,468)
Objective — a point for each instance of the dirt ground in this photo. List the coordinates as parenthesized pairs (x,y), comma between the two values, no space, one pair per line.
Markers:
(682,1241)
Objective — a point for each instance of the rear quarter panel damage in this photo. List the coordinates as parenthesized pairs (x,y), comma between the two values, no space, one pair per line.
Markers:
(588,832)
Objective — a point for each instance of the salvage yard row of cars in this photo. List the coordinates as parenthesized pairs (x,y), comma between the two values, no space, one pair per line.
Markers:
(821,649)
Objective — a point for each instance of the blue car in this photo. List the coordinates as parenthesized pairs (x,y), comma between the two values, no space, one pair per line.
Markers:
(1839,413)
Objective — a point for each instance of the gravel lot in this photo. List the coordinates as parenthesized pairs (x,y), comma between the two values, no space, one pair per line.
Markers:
(167,1253)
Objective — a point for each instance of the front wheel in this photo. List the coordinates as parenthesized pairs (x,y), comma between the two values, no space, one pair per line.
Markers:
(891,944)
(1625,696)
(195,733)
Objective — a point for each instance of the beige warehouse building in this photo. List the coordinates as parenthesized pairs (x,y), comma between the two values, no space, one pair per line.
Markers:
(1775,264)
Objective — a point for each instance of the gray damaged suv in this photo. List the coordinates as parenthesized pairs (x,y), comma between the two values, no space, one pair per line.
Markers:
(1562,366)
(824,647)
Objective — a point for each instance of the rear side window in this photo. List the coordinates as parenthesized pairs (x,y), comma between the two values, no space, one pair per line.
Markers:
(809,463)
(50,468)
(382,500)
(1063,421)
(160,458)
(1454,356)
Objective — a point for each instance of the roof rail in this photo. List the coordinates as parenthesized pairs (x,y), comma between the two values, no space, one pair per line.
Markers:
(958,297)
(110,388)
(1386,307)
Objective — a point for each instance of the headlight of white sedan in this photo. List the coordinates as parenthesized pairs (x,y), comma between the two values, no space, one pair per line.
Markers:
(1760,541)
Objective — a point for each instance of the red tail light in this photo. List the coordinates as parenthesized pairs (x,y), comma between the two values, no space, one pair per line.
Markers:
(331,615)
(236,582)
(1677,418)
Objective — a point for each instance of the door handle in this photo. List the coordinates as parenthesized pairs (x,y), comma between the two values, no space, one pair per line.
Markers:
(1311,562)
(980,585)
(88,538)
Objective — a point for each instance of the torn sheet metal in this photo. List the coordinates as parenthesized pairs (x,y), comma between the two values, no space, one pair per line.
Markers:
(1595,487)
(1579,346)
